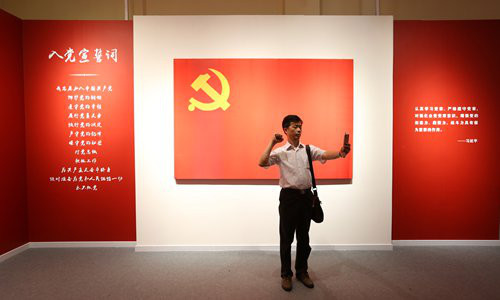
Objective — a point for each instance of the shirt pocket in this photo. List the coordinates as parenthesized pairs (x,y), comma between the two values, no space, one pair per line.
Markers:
(304,161)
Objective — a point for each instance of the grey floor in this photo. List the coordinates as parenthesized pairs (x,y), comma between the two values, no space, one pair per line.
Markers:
(114,273)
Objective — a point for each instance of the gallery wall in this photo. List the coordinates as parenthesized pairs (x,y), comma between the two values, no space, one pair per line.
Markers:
(13,202)
(437,186)
(245,214)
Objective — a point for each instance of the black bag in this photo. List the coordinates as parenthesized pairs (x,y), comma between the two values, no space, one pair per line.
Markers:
(316,210)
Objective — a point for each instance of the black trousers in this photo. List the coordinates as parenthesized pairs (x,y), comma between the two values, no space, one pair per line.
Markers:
(295,217)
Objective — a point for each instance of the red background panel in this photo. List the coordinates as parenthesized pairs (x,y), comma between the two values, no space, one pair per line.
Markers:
(13,201)
(227,144)
(57,211)
(442,188)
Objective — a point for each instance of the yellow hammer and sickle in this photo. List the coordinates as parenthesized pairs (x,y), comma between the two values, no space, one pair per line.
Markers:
(219,100)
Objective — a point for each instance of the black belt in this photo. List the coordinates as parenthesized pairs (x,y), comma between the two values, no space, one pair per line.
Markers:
(298,191)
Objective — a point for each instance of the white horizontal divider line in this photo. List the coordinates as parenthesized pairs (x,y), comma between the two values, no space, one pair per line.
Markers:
(83,75)
(14,252)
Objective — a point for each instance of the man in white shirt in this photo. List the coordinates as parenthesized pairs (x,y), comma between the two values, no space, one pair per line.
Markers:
(295,195)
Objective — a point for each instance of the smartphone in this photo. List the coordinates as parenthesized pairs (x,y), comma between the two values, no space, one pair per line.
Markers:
(346,138)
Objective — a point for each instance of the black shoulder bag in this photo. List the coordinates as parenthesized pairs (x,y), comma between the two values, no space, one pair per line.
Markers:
(316,211)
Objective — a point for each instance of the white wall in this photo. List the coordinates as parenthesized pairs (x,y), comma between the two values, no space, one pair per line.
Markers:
(246,216)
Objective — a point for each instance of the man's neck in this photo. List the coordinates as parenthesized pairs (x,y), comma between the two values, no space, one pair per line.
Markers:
(295,143)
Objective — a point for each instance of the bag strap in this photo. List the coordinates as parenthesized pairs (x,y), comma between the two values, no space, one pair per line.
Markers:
(315,190)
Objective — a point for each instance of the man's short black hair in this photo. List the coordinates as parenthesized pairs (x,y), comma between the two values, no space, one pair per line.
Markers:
(289,119)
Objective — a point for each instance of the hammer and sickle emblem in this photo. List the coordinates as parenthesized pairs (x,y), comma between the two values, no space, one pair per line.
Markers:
(219,100)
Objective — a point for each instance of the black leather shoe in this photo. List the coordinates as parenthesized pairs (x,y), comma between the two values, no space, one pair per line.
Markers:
(305,279)
(286,283)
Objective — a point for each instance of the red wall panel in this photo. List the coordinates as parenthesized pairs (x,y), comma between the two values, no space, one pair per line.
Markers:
(13,205)
(446,183)
(79,80)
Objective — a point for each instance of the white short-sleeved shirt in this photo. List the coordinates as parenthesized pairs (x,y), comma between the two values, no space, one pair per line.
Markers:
(294,165)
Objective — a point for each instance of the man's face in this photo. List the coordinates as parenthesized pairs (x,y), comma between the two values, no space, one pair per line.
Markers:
(294,131)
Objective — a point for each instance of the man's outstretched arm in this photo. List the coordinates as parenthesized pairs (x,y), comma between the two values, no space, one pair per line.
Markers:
(329,155)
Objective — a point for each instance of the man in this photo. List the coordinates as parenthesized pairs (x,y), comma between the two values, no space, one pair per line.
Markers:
(295,195)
